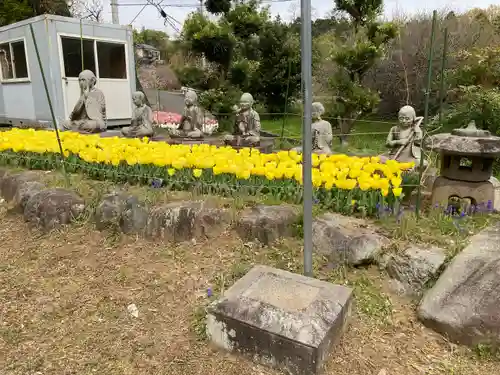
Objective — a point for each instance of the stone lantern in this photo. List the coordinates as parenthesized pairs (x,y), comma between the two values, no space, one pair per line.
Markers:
(467,157)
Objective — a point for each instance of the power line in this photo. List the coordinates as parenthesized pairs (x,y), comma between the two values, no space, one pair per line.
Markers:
(193,5)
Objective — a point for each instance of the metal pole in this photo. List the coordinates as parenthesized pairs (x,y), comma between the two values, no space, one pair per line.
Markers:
(50,103)
(443,67)
(426,110)
(286,102)
(114,12)
(306,55)
(81,44)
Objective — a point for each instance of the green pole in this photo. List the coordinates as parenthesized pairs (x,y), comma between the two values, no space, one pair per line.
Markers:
(426,110)
(286,102)
(50,104)
(81,44)
(443,67)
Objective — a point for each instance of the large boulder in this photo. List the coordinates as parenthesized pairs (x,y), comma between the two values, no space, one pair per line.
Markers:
(463,304)
(11,182)
(24,192)
(52,208)
(267,223)
(185,220)
(121,210)
(346,240)
(415,267)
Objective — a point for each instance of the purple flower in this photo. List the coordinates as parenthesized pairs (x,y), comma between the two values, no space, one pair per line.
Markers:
(400,215)
(489,206)
(209,292)
(157,183)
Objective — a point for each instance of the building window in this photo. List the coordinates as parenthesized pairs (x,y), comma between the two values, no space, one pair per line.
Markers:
(13,62)
(72,55)
(111,60)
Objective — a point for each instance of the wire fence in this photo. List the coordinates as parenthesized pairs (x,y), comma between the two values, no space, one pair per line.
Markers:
(265,187)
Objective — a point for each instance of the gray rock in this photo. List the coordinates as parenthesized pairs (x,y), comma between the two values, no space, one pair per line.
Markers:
(185,220)
(24,192)
(346,240)
(52,208)
(10,183)
(134,217)
(121,210)
(415,266)
(463,304)
(267,223)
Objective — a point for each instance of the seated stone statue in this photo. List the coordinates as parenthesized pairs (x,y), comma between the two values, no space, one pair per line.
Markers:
(142,118)
(404,140)
(247,125)
(322,133)
(89,114)
(192,119)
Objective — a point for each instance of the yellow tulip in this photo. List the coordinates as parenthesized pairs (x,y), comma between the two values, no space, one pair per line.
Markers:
(197,173)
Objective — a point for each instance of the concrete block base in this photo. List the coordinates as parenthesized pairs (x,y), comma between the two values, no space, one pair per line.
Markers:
(280,319)
(479,193)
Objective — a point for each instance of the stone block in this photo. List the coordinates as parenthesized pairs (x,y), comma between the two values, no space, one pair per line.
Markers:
(267,223)
(477,192)
(280,319)
(346,240)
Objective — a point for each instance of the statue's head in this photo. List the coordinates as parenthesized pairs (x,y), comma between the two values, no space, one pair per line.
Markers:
(87,79)
(407,116)
(190,98)
(138,98)
(317,110)
(246,101)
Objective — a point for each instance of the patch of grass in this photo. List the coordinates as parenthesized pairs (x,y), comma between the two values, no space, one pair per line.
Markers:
(436,227)
(367,138)
(487,352)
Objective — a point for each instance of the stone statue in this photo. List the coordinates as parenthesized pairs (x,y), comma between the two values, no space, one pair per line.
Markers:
(89,114)
(142,118)
(247,125)
(322,133)
(404,140)
(192,119)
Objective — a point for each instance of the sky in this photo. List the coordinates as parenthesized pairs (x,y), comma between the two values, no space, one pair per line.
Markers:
(287,9)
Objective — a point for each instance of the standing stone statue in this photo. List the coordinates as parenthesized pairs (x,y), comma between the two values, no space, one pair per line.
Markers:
(247,125)
(322,133)
(89,114)
(404,140)
(192,119)
(142,118)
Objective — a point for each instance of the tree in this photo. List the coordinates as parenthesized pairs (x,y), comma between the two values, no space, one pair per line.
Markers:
(244,50)
(354,54)
(17,10)
(87,9)
(474,93)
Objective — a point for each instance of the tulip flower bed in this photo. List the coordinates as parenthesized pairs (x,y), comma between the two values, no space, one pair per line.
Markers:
(342,183)
(170,120)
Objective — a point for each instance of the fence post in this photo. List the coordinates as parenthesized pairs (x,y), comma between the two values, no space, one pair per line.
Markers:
(50,105)
(426,110)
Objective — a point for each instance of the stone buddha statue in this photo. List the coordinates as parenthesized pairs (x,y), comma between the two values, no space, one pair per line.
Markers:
(322,133)
(191,120)
(89,113)
(247,125)
(404,139)
(142,118)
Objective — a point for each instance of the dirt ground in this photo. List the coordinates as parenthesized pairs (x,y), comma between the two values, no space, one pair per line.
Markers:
(64,298)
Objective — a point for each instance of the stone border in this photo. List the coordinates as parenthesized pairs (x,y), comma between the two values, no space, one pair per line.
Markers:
(50,208)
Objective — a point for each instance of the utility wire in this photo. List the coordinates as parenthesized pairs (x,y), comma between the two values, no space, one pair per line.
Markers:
(193,5)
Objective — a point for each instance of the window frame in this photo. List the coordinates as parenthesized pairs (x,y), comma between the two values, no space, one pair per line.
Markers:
(95,40)
(12,58)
